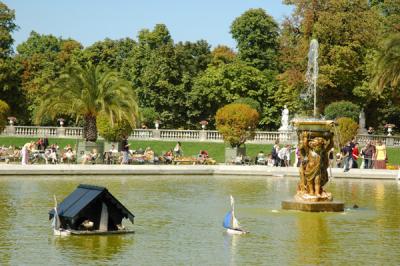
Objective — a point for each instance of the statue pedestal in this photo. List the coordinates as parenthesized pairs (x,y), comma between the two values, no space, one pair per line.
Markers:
(321,206)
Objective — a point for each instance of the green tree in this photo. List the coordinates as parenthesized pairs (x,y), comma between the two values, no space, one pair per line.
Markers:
(163,73)
(237,123)
(193,57)
(342,109)
(149,116)
(7,27)
(256,34)
(86,91)
(112,131)
(111,53)
(42,59)
(222,55)
(250,102)
(10,90)
(346,32)
(4,109)
(387,70)
(219,86)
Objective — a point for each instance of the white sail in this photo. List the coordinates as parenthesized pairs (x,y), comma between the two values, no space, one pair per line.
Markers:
(56,219)
(235,222)
(104,218)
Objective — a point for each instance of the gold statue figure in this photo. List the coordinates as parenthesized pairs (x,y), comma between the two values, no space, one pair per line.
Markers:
(314,147)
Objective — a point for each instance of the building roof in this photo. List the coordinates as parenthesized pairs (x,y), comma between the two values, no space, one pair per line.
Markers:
(72,205)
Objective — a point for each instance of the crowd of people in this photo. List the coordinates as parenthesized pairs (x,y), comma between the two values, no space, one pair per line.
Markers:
(41,151)
(371,156)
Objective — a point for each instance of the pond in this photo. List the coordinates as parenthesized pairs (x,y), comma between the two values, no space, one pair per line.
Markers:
(179,222)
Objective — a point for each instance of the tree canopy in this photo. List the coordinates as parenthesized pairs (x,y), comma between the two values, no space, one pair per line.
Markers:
(85,92)
(182,83)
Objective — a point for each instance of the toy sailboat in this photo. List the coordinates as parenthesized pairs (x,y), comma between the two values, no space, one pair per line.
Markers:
(57,230)
(231,223)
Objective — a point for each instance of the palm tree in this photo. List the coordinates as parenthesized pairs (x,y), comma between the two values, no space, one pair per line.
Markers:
(388,64)
(86,91)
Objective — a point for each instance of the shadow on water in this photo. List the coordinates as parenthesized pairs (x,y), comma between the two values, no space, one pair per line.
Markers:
(78,249)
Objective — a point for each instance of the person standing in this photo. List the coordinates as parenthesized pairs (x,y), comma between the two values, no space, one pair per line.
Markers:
(125,151)
(369,153)
(45,143)
(355,154)
(274,153)
(178,149)
(25,154)
(380,156)
(347,153)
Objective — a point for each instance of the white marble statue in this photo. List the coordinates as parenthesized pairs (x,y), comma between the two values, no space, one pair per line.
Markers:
(361,123)
(285,119)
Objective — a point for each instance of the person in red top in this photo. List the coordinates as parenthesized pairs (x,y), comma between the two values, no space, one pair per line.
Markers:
(355,154)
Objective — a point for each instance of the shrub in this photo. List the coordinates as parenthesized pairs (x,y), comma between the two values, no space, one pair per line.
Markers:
(346,130)
(236,123)
(4,109)
(112,131)
(342,109)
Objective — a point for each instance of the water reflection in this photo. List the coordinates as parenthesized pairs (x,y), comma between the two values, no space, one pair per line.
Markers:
(92,248)
(313,234)
(178,222)
(232,245)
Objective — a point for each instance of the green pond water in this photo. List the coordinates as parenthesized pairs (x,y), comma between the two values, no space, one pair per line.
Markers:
(179,222)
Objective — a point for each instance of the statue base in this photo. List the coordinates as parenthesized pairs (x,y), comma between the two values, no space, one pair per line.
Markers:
(307,206)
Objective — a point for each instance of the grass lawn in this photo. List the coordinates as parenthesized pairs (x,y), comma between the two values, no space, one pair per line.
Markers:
(215,150)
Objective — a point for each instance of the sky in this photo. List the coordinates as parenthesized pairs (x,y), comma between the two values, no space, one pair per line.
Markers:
(88,21)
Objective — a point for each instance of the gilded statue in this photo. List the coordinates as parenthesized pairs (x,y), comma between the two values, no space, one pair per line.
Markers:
(314,147)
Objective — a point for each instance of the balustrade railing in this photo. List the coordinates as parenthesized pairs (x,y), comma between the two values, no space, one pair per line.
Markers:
(36,131)
(263,137)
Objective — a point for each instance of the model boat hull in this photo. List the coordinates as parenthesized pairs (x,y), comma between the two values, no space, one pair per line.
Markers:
(236,231)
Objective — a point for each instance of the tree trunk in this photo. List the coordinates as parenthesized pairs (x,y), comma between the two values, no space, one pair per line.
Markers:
(90,128)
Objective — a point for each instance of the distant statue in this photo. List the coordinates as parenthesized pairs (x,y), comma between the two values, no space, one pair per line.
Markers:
(285,119)
(361,123)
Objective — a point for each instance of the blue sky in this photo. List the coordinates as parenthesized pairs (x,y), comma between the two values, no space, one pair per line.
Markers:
(88,21)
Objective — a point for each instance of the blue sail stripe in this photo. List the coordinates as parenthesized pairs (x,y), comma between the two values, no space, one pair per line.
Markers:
(228,220)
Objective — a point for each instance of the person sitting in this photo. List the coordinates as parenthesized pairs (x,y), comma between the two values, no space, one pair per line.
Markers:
(168,157)
(68,154)
(90,157)
(238,159)
(149,155)
(40,144)
(270,160)
(202,157)
(260,158)
(51,154)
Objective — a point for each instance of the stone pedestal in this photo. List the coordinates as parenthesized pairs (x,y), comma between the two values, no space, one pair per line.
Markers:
(389,142)
(108,146)
(61,131)
(322,206)
(10,130)
(156,134)
(85,147)
(203,135)
(231,153)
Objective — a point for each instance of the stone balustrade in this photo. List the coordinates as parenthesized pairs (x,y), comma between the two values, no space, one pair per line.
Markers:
(261,137)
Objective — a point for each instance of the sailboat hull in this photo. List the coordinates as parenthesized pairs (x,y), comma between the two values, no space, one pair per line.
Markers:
(236,231)
(61,232)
